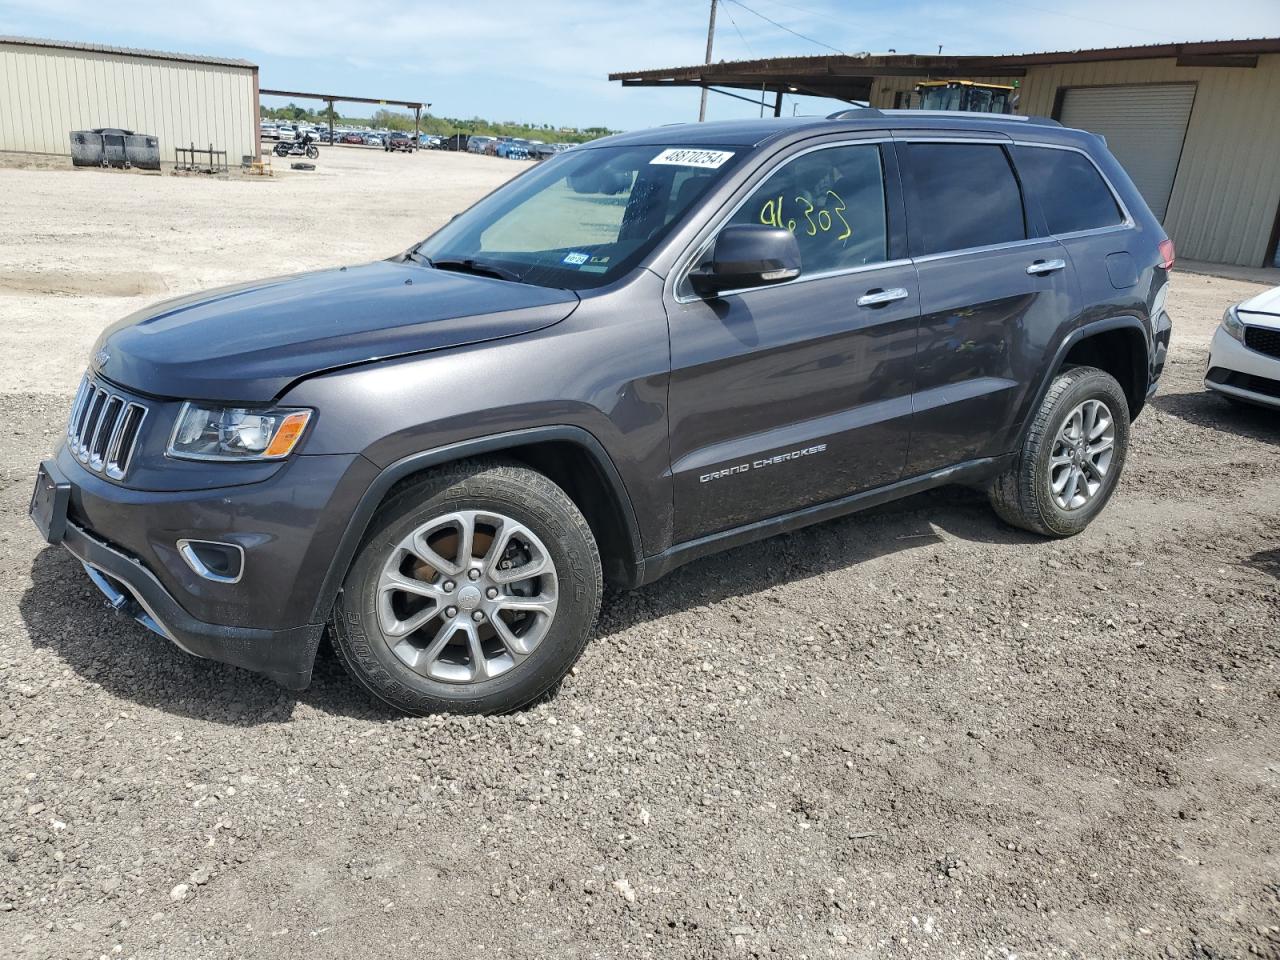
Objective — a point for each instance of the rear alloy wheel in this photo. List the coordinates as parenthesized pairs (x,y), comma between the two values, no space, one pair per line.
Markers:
(475,593)
(1071,458)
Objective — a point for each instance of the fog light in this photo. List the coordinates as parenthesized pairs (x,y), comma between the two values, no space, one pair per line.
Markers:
(219,562)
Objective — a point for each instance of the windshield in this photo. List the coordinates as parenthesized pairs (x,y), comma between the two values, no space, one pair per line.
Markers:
(582,218)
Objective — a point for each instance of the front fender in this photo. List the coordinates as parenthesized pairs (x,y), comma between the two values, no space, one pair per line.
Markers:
(362,514)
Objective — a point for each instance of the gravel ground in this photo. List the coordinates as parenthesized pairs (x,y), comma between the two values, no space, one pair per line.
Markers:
(909,733)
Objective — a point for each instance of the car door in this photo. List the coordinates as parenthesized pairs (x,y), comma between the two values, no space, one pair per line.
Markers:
(791,395)
(993,293)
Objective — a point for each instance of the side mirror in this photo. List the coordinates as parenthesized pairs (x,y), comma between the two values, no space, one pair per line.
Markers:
(747,255)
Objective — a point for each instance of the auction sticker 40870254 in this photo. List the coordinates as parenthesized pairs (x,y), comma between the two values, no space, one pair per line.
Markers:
(688,157)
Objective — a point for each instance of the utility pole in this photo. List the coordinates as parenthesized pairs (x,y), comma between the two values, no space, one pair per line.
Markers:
(711,33)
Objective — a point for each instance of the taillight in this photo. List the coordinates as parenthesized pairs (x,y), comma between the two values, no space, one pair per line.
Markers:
(1166,253)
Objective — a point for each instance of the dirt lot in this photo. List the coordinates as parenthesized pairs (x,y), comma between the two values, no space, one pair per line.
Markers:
(910,733)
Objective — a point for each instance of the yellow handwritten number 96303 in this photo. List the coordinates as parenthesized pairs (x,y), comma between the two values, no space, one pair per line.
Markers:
(771,215)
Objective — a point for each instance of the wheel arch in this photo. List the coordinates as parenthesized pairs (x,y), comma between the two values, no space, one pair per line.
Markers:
(570,456)
(1117,345)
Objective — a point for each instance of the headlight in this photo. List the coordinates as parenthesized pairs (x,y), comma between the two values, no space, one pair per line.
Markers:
(1232,325)
(236,433)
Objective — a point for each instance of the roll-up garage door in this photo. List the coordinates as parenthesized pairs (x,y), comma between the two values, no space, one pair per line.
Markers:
(1144,125)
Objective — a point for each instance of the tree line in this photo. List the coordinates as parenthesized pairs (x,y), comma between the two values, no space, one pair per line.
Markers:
(444,126)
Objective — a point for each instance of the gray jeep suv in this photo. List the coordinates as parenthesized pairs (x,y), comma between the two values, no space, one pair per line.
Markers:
(644,350)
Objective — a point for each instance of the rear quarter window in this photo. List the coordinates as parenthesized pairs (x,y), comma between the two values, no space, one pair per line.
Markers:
(963,195)
(1069,189)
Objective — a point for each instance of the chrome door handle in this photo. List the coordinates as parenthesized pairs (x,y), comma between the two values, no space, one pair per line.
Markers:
(878,298)
(1041,267)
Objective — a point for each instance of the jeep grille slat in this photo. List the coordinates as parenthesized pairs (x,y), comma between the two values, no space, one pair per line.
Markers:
(104,429)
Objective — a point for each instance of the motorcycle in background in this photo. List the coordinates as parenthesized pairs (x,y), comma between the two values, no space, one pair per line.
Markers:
(297,149)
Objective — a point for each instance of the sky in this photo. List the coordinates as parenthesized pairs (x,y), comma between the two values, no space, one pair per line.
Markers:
(547,61)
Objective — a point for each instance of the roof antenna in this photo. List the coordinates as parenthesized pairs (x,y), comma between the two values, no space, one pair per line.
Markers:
(939,49)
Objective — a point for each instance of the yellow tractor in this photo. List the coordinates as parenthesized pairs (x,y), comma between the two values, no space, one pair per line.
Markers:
(967,95)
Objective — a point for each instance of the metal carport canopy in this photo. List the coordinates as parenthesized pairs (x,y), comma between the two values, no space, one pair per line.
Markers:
(331,99)
(850,77)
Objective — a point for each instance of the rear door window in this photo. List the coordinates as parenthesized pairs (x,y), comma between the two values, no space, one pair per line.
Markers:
(1071,193)
(833,200)
(962,195)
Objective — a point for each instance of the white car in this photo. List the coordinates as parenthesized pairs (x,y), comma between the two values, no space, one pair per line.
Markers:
(1244,358)
(288,133)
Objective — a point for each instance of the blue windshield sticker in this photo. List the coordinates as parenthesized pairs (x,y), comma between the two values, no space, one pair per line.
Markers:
(576,259)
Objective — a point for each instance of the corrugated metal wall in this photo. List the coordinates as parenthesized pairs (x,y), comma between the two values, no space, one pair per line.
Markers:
(1227,191)
(46,92)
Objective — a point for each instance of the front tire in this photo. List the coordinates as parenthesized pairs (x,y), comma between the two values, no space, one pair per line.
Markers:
(313,153)
(1072,457)
(474,592)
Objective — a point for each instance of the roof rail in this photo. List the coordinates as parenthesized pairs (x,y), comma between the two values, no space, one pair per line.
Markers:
(941,115)
(971,114)
(854,113)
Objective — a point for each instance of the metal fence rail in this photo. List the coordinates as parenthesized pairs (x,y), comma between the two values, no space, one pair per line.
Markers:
(187,159)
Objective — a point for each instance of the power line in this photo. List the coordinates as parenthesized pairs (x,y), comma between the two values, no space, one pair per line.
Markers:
(782,26)
(750,52)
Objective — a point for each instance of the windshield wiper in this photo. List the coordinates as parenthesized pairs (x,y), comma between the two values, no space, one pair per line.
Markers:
(475,266)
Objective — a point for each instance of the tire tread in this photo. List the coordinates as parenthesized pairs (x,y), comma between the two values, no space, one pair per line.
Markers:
(1017,495)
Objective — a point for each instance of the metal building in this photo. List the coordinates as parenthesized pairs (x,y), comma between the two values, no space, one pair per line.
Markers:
(49,88)
(1196,125)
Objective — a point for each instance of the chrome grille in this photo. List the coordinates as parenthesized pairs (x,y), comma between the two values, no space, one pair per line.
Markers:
(104,429)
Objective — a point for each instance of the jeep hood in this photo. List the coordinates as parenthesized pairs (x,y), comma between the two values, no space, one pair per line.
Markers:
(248,342)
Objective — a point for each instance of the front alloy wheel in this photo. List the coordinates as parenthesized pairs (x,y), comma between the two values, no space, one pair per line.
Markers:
(474,591)
(467,596)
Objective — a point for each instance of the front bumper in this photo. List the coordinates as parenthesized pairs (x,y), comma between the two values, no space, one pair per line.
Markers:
(286,656)
(1236,371)
(287,528)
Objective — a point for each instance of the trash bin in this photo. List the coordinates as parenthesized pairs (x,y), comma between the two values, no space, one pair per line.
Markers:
(142,151)
(86,148)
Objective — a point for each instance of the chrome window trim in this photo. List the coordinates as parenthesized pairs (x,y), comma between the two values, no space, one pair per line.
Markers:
(1127,224)
(687,261)
(1022,197)
(680,275)
(988,248)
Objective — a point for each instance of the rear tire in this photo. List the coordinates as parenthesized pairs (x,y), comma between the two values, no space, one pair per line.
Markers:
(1072,457)
(470,634)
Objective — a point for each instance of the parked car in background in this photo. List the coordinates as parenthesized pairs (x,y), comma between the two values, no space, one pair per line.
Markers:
(445,455)
(351,136)
(288,132)
(397,141)
(373,140)
(541,151)
(268,131)
(1244,356)
(430,141)
(514,148)
(478,143)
